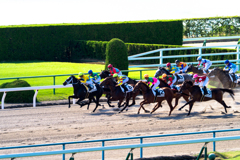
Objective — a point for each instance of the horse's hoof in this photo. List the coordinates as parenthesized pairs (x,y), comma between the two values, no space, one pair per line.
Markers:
(229,107)
(179,109)
(147,111)
(126,109)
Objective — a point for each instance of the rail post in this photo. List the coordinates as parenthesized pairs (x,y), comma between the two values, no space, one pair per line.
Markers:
(141,149)
(63,147)
(214,143)
(3,98)
(140,74)
(54,84)
(161,59)
(200,51)
(103,150)
(238,58)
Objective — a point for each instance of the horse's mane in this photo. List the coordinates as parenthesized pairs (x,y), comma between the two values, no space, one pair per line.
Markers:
(143,83)
(188,81)
(162,81)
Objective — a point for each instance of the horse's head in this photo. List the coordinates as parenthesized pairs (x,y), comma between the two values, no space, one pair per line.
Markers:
(71,80)
(104,74)
(216,73)
(107,82)
(160,71)
(140,86)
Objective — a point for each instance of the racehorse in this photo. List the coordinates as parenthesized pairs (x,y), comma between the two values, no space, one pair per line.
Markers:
(116,92)
(150,98)
(106,73)
(193,69)
(81,92)
(183,77)
(177,95)
(196,94)
(223,76)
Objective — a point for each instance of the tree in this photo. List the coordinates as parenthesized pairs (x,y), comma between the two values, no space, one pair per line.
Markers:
(116,54)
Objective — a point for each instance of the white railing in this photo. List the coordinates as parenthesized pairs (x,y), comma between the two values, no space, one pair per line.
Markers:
(210,38)
(161,57)
(5,90)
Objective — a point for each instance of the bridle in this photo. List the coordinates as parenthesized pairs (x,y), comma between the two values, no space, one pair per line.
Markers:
(70,81)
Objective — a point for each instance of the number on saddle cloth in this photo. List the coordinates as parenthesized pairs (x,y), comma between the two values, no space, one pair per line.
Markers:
(129,88)
(160,92)
(180,78)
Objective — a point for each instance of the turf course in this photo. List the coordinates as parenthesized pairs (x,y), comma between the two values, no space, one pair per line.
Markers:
(41,68)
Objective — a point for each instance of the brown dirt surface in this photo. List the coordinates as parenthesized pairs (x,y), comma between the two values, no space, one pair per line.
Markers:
(58,123)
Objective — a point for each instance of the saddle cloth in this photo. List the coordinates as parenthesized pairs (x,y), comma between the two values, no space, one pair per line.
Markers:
(129,88)
(94,88)
(178,87)
(209,95)
(231,77)
(180,78)
(160,93)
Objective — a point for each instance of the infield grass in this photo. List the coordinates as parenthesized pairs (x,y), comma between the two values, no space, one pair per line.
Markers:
(42,68)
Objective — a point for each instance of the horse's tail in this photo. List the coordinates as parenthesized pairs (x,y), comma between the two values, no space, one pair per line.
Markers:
(230,91)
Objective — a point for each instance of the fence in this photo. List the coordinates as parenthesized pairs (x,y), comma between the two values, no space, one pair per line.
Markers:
(5,90)
(161,57)
(141,145)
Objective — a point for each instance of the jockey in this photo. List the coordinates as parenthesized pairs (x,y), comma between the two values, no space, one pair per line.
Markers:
(95,77)
(183,66)
(121,80)
(85,79)
(170,80)
(114,70)
(232,68)
(205,62)
(173,68)
(201,81)
(155,82)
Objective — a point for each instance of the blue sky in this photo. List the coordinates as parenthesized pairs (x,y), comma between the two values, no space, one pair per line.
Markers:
(16,12)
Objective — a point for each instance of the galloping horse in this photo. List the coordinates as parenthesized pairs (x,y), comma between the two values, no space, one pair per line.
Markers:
(177,95)
(149,97)
(223,76)
(162,70)
(116,92)
(193,69)
(105,73)
(81,92)
(196,94)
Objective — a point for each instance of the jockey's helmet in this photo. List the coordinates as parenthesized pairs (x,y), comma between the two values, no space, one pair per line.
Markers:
(177,61)
(199,58)
(90,72)
(164,75)
(168,64)
(115,75)
(110,66)
(227,61)
(195,76)
(80,74)
(146,76)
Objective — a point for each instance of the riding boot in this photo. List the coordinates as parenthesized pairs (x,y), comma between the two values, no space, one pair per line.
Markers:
(233,76)
(205,90)
(90,87)
(125,88)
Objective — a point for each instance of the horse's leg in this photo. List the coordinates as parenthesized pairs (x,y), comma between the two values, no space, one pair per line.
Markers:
(120,102)
(190,107)
(97,103)
(69,100)
(224,105)
(169,101)
(108,102)
(185,105)
(178,96)
(141,106)
(94,100)
(90,100)
(156,106)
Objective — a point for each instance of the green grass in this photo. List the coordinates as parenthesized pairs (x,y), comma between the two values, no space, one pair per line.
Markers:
(40,68)
(232,155)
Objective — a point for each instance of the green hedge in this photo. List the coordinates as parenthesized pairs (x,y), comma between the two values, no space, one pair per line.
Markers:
(96,50)
(211,27)
(51,42)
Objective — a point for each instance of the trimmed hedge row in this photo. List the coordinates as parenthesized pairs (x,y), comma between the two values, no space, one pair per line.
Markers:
(51,42)
(211,27)
(96,50)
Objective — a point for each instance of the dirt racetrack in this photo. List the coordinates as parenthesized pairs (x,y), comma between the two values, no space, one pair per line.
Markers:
(52,124)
